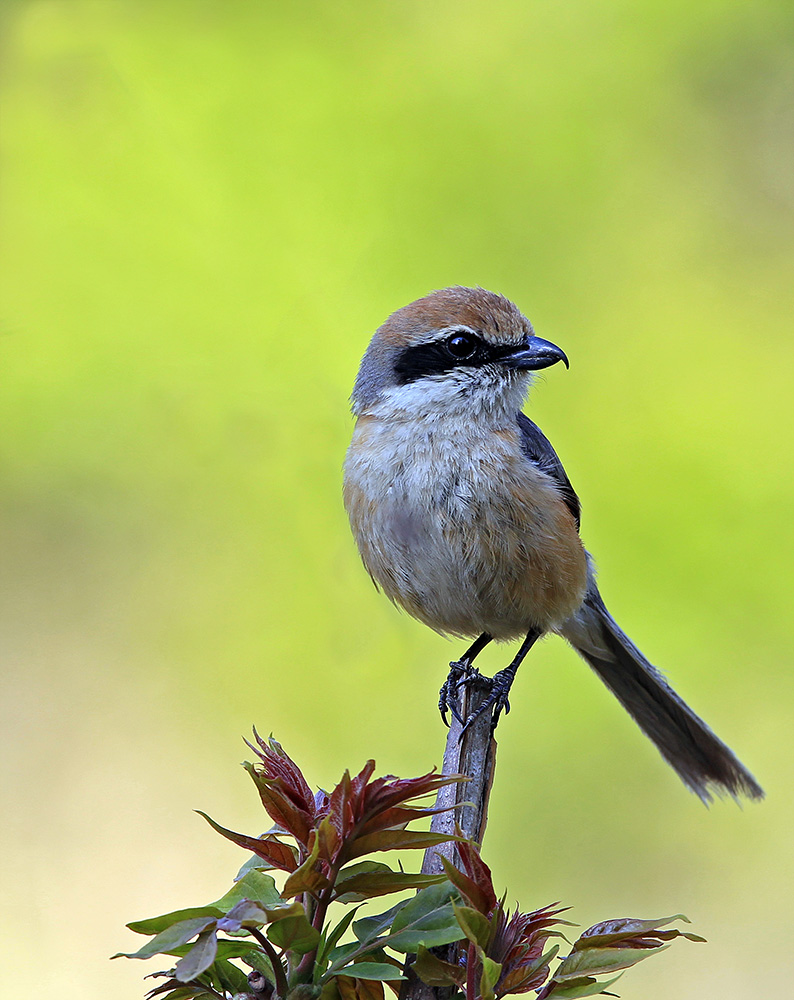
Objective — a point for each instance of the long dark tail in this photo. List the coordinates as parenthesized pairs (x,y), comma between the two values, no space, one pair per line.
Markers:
(702,761)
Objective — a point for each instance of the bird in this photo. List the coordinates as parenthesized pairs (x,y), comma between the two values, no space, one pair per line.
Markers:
(466,519)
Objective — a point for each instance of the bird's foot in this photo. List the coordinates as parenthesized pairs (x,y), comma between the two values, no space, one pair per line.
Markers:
(497,699)
(461,672)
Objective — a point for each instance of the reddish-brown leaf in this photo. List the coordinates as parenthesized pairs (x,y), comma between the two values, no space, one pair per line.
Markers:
(467,887)
(279,765)
(280,856)
(362,806)
(307,878)
(392,840)
(328,840)
(387,792)
(359,989)
(631,932)
(518,944)
(434,971)
(525,978)
(478,872)
(283,789)
(281,807)
(398,816)
(341,811)
(360,815)
(359,783)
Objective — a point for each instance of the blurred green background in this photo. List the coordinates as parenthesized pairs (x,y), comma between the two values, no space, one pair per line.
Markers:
(207,209)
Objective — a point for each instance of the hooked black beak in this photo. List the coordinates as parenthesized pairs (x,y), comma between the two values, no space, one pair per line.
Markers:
(536,353)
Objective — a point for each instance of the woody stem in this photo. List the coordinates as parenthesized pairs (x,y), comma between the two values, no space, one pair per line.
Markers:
(474,755)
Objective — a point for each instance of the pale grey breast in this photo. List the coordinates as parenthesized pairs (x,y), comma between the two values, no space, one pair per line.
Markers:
(467,539)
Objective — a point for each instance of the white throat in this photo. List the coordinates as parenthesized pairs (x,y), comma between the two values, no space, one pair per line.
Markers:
(485,397)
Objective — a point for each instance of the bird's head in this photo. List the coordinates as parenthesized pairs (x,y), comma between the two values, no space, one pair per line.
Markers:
(457,351)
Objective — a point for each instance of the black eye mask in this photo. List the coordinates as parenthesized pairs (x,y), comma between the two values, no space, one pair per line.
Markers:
(461,349)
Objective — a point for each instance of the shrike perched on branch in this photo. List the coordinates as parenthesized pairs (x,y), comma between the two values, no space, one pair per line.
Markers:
(464,515)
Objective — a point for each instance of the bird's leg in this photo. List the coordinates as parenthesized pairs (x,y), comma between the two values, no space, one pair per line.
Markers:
(501,683)
(459,672)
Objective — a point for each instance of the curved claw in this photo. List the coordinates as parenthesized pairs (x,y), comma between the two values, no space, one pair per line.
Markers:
(497,700)
(445,706)
(460,673)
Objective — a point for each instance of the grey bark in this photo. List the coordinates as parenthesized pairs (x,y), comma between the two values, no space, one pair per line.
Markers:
(474,756)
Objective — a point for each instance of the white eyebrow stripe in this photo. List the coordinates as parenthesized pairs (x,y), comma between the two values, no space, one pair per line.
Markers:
(433,336)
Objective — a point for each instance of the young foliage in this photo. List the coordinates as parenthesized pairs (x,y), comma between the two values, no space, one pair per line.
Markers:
(454,930)
(510,953)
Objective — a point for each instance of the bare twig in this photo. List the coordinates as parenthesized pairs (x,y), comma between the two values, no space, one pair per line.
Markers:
(475,756)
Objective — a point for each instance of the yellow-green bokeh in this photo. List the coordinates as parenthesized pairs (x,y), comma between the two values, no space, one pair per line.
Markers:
(207,208)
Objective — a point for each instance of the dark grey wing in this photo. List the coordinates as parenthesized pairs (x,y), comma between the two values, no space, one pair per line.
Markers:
(538,449)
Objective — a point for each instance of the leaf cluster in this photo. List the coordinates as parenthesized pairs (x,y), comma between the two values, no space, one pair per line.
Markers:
(297,947)
(508,953)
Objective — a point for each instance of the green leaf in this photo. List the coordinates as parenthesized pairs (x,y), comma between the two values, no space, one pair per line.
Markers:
(172,990)
(475,925)
(351,872)
(579,988)
(306,878)
(427,920)
(291,929)
(490,976)
(341,927)
(254,863)
(256,959)
(199,958)
(382,971)
(246,913)
(229,977)
(171,937)
(154,925)
(254,885)
(369,928)
(240,947)
(329,942)
(371,878)
(435,972)
(340,955)
(596,961)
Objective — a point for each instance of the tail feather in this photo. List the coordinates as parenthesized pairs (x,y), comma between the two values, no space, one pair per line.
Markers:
(703,762)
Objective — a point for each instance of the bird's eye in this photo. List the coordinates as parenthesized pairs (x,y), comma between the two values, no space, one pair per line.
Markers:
(462,345)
